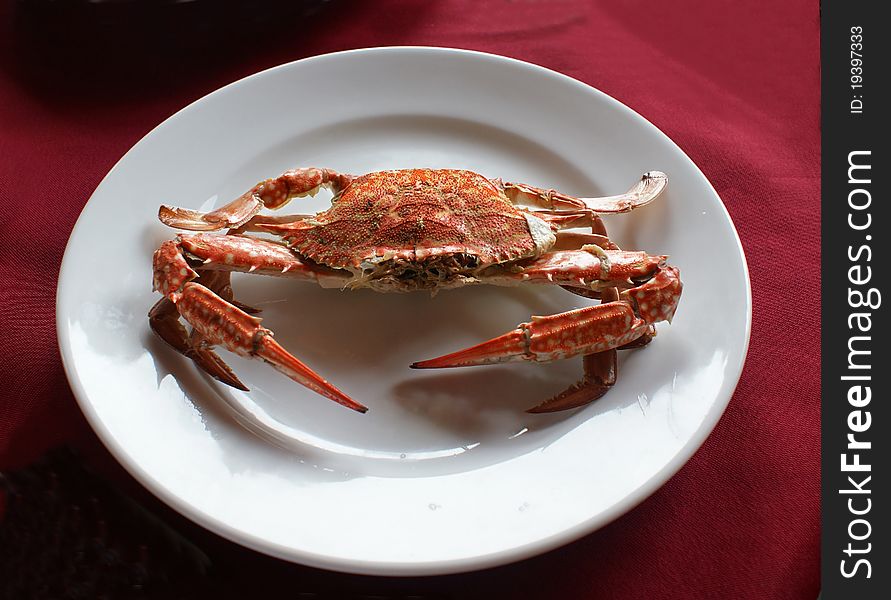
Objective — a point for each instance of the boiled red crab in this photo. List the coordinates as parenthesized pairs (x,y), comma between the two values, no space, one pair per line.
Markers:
(417,229)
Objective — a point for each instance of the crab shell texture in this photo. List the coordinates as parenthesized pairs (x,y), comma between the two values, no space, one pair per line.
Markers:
(419,229)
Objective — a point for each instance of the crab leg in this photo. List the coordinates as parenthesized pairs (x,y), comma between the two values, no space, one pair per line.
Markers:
(554,337)
(236,253)
(223,324)
(590,268)
(164,320)
(257,222)
(217,322)
(600,369)
(272,193)
(572,240)
(599,376)
(566,219)
(645,191)
(582,331)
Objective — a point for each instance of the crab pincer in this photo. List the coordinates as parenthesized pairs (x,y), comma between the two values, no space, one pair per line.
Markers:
(587,331)
(216,322)
(223,324)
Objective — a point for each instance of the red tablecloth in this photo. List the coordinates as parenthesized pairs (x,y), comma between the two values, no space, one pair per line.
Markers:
(735,84)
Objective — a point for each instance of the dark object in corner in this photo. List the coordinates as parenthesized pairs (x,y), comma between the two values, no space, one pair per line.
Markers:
(65,534)
(138,45)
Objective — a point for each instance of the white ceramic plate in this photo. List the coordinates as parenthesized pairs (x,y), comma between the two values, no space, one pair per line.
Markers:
(446,472)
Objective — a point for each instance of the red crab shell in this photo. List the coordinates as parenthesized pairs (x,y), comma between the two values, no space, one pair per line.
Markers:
(418,214)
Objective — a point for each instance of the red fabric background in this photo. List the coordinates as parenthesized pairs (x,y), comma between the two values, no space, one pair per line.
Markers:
(735,84)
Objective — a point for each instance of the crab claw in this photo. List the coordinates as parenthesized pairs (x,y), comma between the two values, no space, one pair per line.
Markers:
(600,375)
(210,361)
(273,353)
(219,323)
(581,331)
(657,299)
(164,321)
(508,347)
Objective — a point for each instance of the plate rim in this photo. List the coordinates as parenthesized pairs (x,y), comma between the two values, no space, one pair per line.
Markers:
(427,568)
